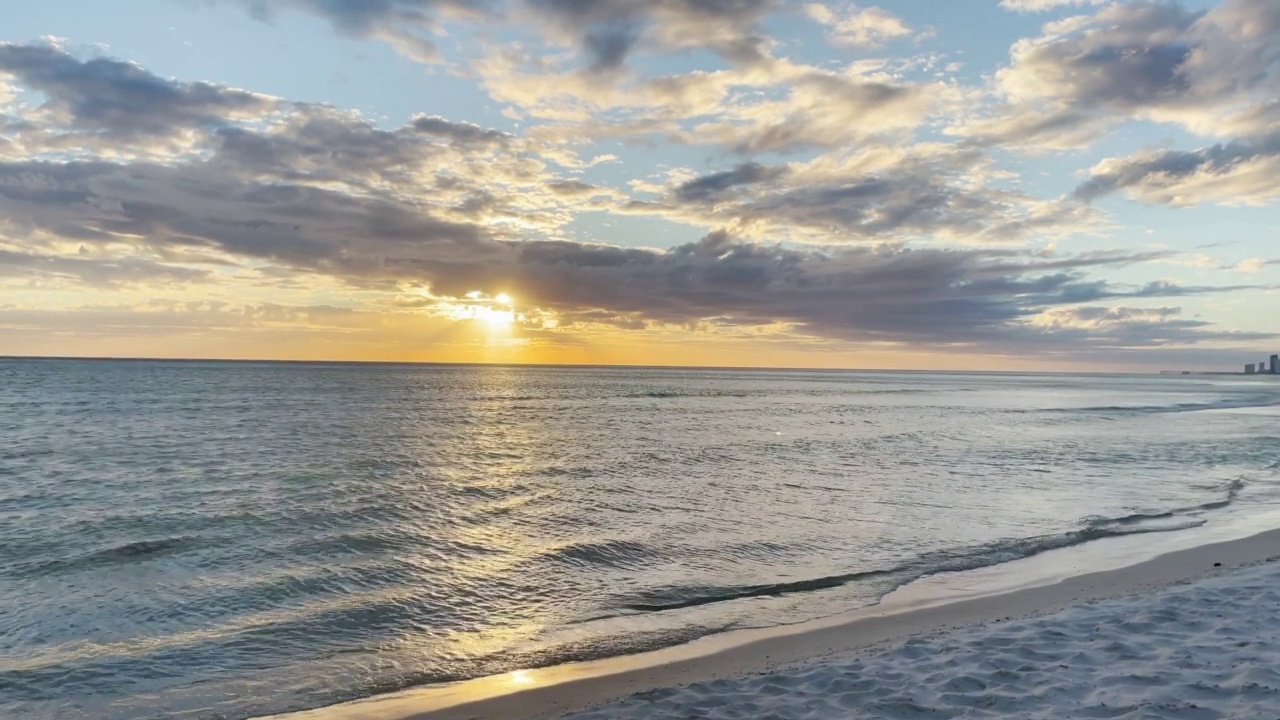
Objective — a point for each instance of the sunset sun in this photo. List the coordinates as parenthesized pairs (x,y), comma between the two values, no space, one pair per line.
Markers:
(495,318)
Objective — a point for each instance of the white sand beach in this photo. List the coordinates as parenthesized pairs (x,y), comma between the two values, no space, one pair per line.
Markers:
(1201,650)
(1192,633)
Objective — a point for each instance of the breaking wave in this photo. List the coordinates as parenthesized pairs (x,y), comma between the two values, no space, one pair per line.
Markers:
(949,560)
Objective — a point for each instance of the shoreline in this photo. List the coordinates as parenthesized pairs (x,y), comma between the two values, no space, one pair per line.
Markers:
(1029,587)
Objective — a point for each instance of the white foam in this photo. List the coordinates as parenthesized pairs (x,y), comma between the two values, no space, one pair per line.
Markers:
(1208,649)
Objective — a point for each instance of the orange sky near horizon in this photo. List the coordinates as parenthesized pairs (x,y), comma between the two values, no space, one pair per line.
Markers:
(471,341)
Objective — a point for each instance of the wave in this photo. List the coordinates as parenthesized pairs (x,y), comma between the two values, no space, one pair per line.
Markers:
(22,454)
(138,551)
(1225,404)
(941,561)
(774,392)
(679,394)
(1232,490)
(612,553)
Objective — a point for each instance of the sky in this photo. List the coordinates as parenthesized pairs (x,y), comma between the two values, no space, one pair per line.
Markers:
(918,184)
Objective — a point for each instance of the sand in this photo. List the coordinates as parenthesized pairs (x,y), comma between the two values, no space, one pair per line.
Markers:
(1192,633)
(1210,649)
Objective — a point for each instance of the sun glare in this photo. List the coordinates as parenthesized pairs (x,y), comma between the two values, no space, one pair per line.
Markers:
(494,317)
(497,313)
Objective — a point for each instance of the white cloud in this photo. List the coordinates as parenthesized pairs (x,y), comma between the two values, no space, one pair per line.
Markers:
(868,27)
(1030,6)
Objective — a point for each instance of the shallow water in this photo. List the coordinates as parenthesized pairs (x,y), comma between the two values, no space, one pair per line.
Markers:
(224,540)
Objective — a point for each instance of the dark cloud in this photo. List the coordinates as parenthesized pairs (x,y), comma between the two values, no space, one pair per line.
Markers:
(318,147)
(893,294)
(363,17)
(1131,55)
(1164,288)
(608,30)
(926,195)
(96,272)
(405,24)
(608,46)
(1101,329)
(205,206)
(120,98)
(459,133)
(1242,171)
(573,188)
(711,186)
(885,293)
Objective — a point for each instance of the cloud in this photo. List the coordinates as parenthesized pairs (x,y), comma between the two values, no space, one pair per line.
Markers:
(773,106)
(869,294)
(1238,173)
(122,100)
(605,31)
(885,293)
(1211,72)
(1102,327)
(95,272)
(926,192)
(1253,265)
(211,328)
(406,25)
(207,206)
(318,190)
(466,134)
(822,110)
(1129,57)
(608,31)
(868,27)
(1053,129)
(1027,6)
(717,184)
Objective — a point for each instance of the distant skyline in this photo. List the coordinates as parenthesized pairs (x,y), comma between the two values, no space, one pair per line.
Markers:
(995,184)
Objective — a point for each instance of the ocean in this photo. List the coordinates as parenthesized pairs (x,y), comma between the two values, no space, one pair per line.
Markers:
(228,540)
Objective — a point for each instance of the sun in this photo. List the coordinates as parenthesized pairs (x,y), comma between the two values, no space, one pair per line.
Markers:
(496,313)
(495,318)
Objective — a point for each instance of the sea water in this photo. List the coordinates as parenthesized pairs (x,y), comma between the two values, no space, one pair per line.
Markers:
(227,540)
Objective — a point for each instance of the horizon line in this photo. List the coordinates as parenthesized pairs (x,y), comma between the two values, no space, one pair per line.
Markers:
(587,366)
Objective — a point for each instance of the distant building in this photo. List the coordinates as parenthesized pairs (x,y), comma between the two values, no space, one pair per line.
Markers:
(1249,369)
(1275,364)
